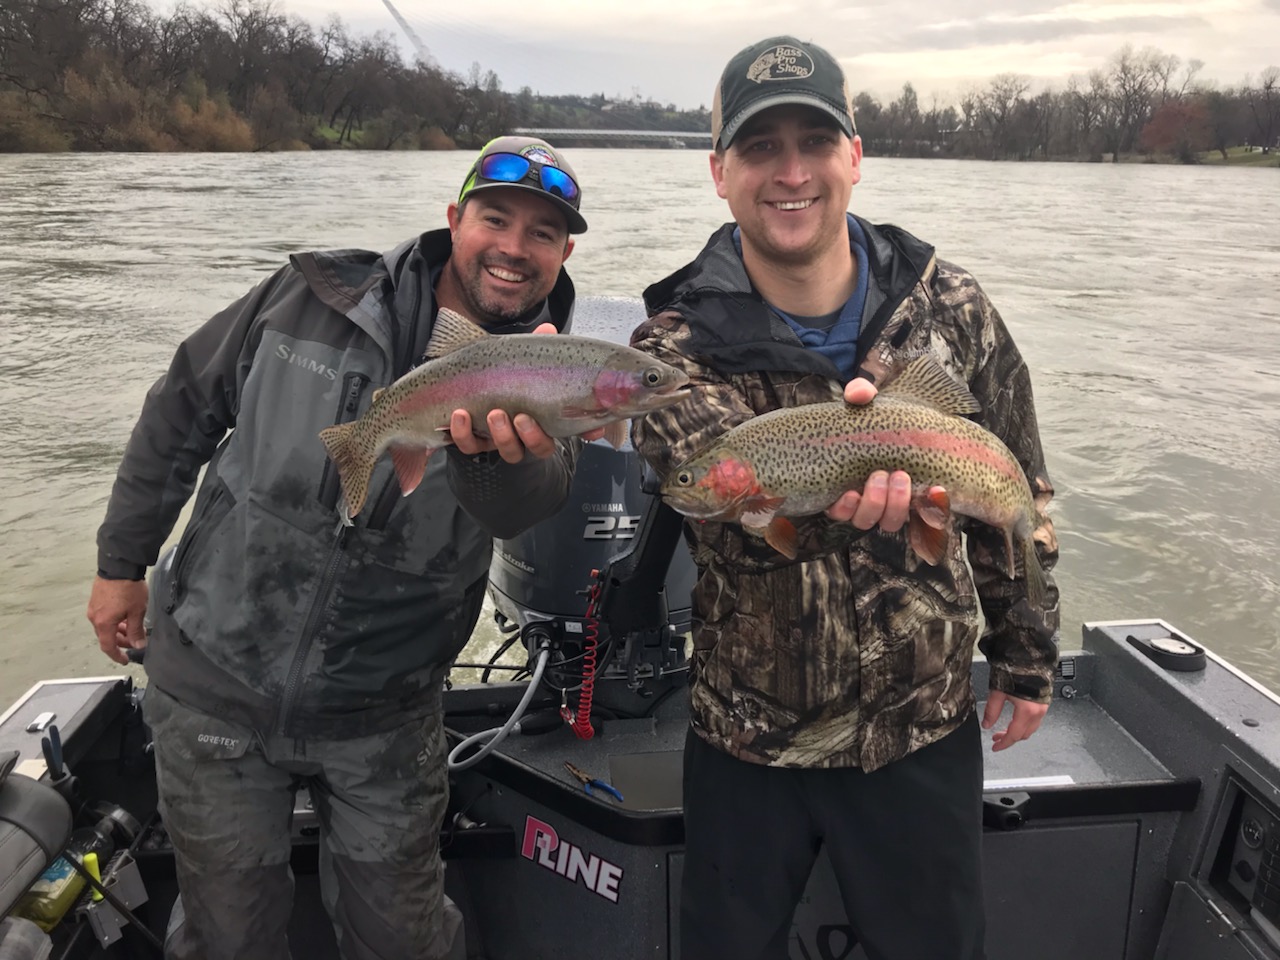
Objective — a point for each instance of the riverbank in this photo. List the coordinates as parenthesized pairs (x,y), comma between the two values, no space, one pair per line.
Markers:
(1242,157)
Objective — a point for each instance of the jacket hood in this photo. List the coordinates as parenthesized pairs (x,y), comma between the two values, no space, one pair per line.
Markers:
(344,280)
(898,262)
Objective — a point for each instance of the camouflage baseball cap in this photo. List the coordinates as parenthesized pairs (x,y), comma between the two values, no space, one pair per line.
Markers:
(527,163)
(773,72)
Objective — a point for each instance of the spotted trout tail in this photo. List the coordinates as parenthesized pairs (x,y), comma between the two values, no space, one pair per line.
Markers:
(354,467)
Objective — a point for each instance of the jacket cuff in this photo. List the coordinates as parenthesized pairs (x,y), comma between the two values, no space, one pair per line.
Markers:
(112,568)
(1035,687)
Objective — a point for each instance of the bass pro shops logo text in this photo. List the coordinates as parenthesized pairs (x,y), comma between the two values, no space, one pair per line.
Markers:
(783,62)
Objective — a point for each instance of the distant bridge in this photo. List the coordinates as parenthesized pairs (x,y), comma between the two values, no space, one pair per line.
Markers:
(662,138)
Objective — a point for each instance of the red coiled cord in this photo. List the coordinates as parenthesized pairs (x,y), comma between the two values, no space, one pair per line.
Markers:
(582,722)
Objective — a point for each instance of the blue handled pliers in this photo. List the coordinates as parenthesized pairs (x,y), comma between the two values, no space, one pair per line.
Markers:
(589,781)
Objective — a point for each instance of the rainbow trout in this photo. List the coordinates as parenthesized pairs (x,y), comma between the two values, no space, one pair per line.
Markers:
(568,384)
(797,461)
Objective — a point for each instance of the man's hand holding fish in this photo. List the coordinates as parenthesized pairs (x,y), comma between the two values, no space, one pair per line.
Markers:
(885,501)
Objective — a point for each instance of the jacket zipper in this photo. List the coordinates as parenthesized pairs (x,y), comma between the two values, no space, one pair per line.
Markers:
(311,628)
(333,565)
(868,336)
(347,409)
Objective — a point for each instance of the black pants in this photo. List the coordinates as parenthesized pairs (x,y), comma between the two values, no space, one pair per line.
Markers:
(904,841)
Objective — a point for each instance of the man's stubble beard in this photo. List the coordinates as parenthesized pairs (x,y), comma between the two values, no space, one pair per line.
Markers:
(492,311)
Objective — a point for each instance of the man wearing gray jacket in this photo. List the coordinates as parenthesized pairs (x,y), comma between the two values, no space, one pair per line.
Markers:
(287,648)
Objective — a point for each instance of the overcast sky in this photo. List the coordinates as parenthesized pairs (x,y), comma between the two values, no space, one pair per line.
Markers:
(673,50)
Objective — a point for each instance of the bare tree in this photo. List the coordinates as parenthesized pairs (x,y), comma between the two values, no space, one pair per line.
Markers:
(998,107)
(1226,119)
(254,30)
(1264,106)
(1134,79)
(1087,103)
(1041,114)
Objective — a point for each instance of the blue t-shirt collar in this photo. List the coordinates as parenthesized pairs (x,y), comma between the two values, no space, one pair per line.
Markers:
(839,343)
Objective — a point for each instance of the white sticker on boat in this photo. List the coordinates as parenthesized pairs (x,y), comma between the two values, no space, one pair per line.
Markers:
(1018,783)
(542,845)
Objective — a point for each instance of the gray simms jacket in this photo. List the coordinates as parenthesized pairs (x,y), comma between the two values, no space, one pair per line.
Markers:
(271,613)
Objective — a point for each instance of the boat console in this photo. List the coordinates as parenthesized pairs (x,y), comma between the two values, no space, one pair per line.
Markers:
(1141,821)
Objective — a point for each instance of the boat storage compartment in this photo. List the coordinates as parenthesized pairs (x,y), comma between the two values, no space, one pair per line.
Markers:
(1230,908)
(1209,721)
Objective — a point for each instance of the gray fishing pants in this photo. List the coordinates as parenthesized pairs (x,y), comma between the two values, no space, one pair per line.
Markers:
(227,799)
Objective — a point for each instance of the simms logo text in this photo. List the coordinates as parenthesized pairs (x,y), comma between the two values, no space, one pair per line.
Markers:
(544,847)
(306,363)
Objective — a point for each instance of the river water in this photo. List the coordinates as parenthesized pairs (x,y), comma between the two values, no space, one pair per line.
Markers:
(1143,297)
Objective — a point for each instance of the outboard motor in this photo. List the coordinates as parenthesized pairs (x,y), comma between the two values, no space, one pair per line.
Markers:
(545,582)
(600,553)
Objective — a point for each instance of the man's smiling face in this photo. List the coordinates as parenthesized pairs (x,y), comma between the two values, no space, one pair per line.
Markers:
(788,175)
(508,246)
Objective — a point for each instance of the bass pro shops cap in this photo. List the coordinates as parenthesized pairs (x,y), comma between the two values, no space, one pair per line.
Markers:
(773,72)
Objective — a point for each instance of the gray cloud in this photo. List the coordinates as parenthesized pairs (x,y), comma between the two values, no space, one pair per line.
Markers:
(987,33)
(953,10)
(674,63)
(682,73)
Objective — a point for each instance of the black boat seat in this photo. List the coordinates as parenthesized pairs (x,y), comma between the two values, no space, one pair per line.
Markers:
(35,823)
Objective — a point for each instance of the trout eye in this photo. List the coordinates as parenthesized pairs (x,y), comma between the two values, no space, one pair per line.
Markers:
(684,478)
(653,376)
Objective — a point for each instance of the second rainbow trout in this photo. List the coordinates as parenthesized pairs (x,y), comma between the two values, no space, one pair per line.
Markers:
(797,461)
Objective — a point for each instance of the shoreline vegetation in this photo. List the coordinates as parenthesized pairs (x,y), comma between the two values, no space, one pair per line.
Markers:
(240,75)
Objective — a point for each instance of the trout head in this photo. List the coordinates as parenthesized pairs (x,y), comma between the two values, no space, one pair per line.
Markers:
(634,387)
(722,488)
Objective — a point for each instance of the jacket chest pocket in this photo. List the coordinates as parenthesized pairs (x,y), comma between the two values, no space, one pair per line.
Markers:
(197,534)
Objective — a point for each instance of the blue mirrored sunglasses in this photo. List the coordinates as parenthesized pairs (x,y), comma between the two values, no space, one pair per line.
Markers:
(512,168)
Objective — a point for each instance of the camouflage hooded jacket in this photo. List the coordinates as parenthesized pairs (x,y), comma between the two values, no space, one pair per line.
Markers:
(856,653)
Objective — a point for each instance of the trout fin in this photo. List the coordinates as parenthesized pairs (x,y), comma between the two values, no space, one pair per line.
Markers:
(925,381)
(781,535)
(933,506)
(616,433)
(354,470)
(928,542)
(411,464)
(376,394)
(929,528)
(778,532)
(451,332)
(760,514)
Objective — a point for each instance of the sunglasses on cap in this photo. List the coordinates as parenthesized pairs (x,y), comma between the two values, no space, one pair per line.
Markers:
(513,168)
